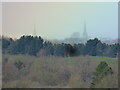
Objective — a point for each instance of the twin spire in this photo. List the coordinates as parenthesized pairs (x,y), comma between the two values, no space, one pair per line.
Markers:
(34,33)
(85,36)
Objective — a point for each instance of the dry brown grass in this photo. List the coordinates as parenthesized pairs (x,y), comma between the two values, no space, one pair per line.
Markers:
(52,72)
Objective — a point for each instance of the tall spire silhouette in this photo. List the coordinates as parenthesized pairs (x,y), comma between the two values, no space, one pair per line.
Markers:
(34,33)
(85,36)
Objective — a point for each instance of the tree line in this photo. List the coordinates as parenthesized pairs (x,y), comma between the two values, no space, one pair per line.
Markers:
(37,46)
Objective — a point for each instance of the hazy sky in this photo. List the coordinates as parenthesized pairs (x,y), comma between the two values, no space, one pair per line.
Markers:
(59,20)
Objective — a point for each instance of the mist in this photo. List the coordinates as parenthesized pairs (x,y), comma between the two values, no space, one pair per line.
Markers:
(60,20)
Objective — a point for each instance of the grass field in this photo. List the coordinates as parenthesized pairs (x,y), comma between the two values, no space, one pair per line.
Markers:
(52,72)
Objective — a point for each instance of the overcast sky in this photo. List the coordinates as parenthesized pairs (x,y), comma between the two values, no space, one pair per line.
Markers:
(59,20)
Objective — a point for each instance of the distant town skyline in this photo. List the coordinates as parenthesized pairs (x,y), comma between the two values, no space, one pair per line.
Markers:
(61,19)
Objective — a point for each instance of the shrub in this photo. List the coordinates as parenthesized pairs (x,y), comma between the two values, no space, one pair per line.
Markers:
(19,65)
(102,70)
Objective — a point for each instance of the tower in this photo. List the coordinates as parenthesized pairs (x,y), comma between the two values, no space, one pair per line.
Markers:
(34,33)
(85,36)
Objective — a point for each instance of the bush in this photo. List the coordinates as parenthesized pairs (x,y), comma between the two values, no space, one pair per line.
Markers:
(19,65)
(102,70)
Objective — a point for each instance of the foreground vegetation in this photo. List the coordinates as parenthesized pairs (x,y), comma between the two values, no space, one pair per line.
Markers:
(24,71)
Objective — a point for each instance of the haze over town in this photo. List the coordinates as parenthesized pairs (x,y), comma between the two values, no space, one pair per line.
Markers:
(60,20)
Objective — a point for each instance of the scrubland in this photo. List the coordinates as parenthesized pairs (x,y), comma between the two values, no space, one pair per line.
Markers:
(24,71)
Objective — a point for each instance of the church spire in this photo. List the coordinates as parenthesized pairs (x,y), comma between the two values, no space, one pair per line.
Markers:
(85,36)
(34,33)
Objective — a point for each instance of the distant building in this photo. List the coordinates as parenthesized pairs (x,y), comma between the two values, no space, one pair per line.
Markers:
(75,37)
(34,33)
(85,36)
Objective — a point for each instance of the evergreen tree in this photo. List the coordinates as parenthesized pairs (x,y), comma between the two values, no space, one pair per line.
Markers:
(91,47)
